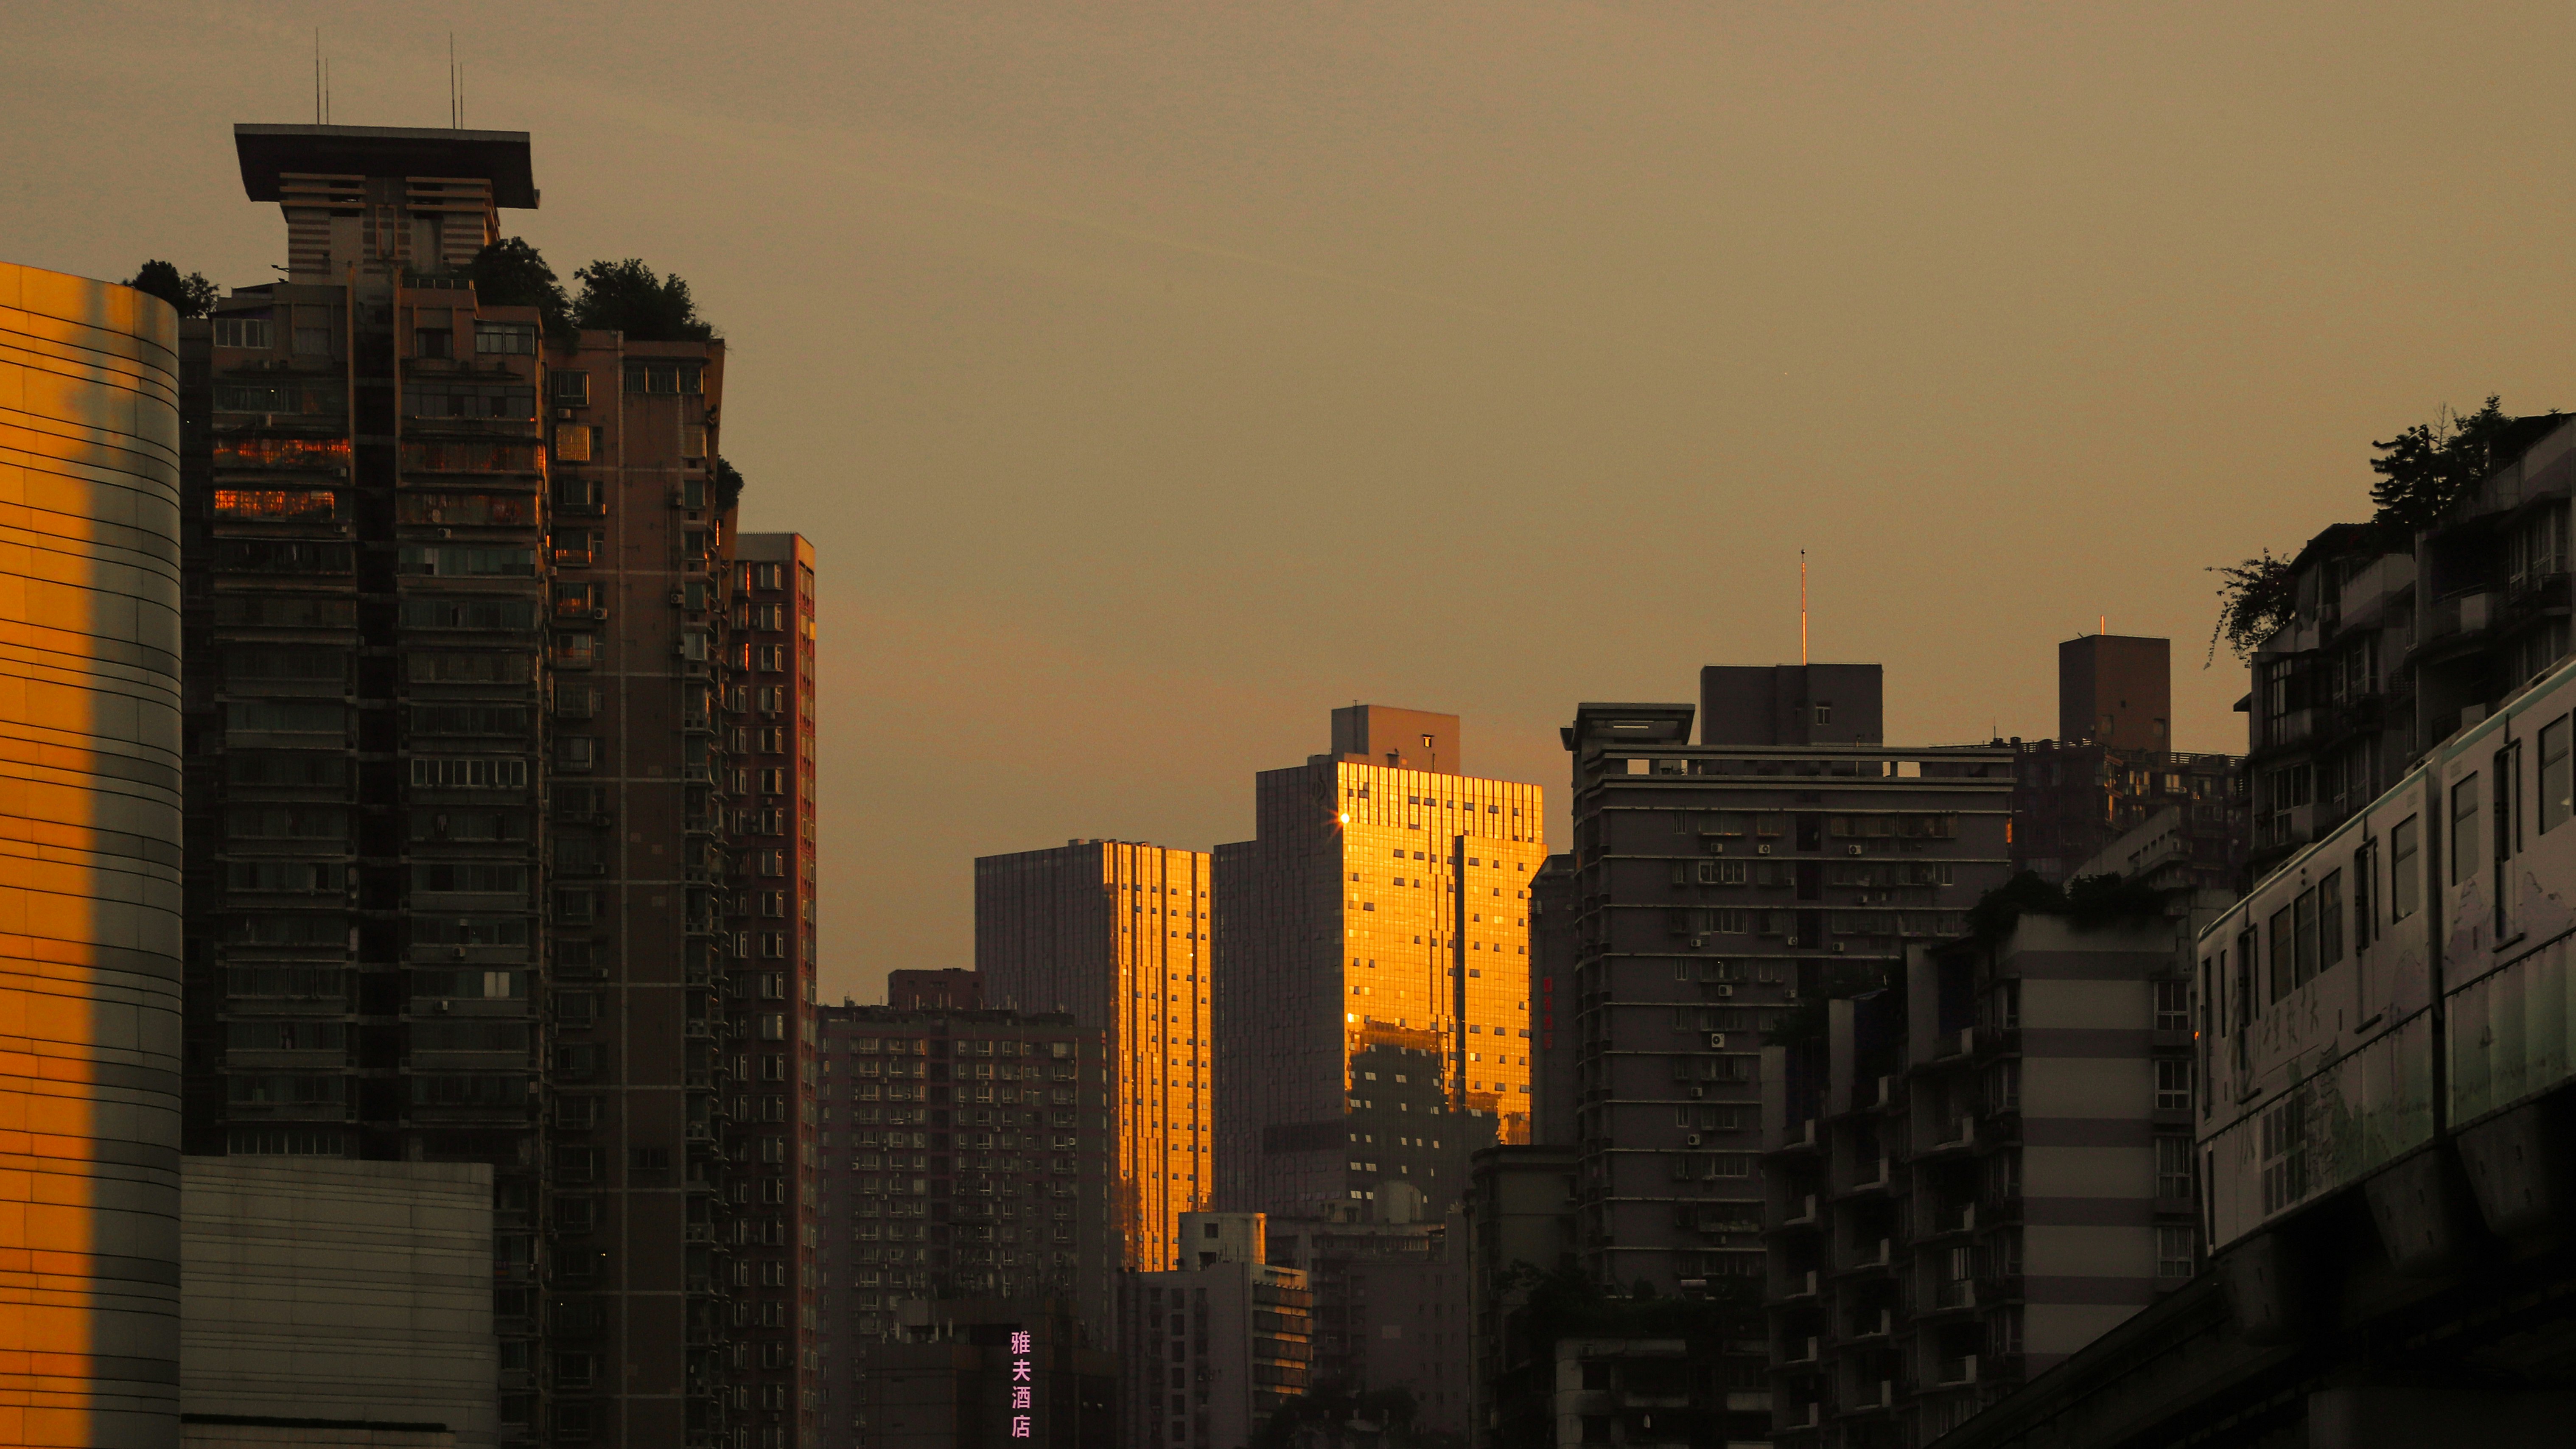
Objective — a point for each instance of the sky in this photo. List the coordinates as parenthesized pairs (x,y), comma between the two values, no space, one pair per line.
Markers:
(1152,379)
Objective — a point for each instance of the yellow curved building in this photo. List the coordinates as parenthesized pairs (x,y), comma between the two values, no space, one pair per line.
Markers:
(89,863)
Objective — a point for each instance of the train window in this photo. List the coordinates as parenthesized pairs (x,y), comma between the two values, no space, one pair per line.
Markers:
(2365,868)
(2554,783)
(2330,921)
(2248,999)
(2284,939)
(2303,940)
(2405,886)
(2464,830)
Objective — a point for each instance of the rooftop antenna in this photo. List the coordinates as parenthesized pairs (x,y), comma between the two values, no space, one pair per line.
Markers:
(1802,607)
(317,75)
(455,115)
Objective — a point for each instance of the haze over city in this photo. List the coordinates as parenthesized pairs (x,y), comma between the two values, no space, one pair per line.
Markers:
(1153,379)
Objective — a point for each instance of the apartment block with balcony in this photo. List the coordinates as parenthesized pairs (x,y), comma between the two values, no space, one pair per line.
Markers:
(2396,641)
(1976,1173)
(456,782)
(965,1158)
(2331,719)
(1719,888)
(1213,1348)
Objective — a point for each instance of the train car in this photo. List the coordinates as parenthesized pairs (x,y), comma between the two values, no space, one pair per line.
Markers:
(2400,978)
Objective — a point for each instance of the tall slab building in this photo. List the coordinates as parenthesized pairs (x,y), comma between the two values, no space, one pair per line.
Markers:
(463,688)
(1372,992)
(89,863)
(1116,933)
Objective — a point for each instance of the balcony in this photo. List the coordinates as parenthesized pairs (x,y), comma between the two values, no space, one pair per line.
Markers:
(1953,1372)
(1802,1353)
(1866,1258)
(1801,1285)
(1805,1216)
(1954,1293)
(1878,1325)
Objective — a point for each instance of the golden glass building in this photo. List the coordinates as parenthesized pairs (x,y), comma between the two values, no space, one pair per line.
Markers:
(1372,1001)
(89,863)
(1116,933)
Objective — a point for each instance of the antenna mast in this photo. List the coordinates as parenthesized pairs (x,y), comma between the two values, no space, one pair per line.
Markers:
(1802,606)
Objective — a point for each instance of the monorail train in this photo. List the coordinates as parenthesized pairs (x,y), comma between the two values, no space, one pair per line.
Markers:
(2402,978)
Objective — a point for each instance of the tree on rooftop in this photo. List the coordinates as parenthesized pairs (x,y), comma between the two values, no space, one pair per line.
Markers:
(192,294)
(511,273)
(627,297)
(2255,598)
(2428,467)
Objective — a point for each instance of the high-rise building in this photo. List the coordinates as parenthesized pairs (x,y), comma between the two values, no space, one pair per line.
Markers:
(1390,1304)
(1973,1177)
(1554,904)
(89,884)
(770,1121)
(952,989)
(1372,994)
(1719,889)
(1519,1212)
(1211,1349)
(459,790)
(961,1371)
(1116,934)
(966,1159)
(2114,766)
(2116,690)
(1791,704)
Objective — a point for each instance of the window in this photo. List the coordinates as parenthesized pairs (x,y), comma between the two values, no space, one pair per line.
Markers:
(2173,1006)
(2303,939)
(2405,887)
(570,389)
(291,505)
(2554,780)
(2173,1166)
(518,338)
(2173,1085)
(2464,830)
(2283,948)
(572,442)
(247,332)
(2330,921)
(2365,869)
(2175,1256)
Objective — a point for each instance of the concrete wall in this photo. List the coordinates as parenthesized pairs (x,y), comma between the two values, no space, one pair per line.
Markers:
(322,1288)
(89,863)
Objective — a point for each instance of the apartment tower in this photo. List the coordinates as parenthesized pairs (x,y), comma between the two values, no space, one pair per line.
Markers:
(1116,934)
(1372,998)
(770,747)
(89,883)
(1719,890)
(457,723)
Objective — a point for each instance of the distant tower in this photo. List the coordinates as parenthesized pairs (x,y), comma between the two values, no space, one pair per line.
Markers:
(2116,690)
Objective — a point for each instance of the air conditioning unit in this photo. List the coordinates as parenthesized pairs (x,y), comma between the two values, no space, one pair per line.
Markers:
(679,596)
(1851,850)
(447,533)
(1717,1041)
(1698,1092)
(1761,850)
(1838,948)
(600,612)
(1692,1140)
(1725,991)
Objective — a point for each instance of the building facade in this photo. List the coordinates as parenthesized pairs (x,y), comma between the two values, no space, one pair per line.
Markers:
(459,703)
(1390,1305)
(987,1371)
(1117,934)
(1372,1002)
(1519,1214)
(1973,1177)
(2396,640)
(965,1157)
(1719,888)
(1211,1349)
(326,1289)
(953,989)
(770,1122)
(90,967)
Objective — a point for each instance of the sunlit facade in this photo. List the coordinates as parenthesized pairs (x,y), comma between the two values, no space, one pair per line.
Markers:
(1116,933)
(89,871)
(1372,993)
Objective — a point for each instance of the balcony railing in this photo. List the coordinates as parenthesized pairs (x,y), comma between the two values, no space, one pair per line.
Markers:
(1950,1372)
(1955,1293)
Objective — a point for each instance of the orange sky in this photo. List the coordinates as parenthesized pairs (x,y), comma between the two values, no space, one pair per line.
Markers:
(1152,379)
